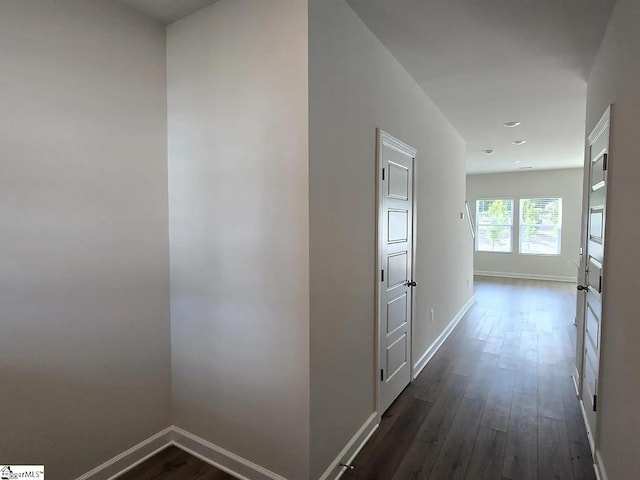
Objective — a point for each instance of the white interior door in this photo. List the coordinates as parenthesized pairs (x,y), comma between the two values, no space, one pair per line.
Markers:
(395,261)
(592,263)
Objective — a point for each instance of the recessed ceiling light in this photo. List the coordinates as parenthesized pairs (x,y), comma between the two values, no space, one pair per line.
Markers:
(488,151)
(517,161)
(511,124)
(519,142)
(525,168)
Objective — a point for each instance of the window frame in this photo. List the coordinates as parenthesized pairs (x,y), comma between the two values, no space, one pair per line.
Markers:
(478,225)
(521,224)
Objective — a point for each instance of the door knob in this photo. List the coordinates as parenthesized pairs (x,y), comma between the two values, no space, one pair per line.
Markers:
(412,284)
(582,287)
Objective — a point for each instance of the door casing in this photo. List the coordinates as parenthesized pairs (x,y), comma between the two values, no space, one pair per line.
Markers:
(383,138)
(603,127)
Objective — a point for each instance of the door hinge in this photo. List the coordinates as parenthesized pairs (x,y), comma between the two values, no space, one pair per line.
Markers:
(605,162)
(382,275)
(381,375)
(600,284)
(383,174)
(595,403)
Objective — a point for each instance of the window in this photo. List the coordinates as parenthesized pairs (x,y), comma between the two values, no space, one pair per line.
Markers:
(540,226)
(495,225)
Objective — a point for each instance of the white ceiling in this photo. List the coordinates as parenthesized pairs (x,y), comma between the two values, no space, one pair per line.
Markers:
(487,62)
(168,11)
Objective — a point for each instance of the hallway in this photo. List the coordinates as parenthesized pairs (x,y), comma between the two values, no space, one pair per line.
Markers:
(496,402)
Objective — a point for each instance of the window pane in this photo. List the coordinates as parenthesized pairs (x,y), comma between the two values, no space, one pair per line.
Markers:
(540,226)
(494,238)
(494,212)
(495,225)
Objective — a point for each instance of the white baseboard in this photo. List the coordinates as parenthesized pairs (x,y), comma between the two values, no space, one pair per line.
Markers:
(431,351)
(351,449)
(217,456)
(128,459)
(599,467)
(526,276)
(575,377)
(592,443)
(220,458)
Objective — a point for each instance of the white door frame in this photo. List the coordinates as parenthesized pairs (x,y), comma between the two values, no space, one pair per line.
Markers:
(383,138)
(596,133)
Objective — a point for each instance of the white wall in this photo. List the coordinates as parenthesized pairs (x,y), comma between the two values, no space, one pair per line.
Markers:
(239,214)
(565,184)
(356,85)
(84,276)
(614,79)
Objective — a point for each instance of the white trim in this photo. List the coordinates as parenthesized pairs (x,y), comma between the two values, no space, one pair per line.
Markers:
(526,276)
(592,443)
(601,126)
(435,346)
(512,226)
(208,460)
(352,448)
(599,467)
(399,145)
(138,462)
(385,139)
(597,470)
(219,457)
(130,458)
(574,377)
(206,451)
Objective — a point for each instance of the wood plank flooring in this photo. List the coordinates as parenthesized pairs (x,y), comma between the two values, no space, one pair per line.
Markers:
(496,402)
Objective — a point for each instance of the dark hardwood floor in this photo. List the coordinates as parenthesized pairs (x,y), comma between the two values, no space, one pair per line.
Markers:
(175,464)
(496,402)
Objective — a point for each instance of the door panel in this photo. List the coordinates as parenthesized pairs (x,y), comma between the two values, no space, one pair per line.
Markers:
(594,277)
(592,328)
(598,173)
(398,180)
(397,356)
(397,313)
(397,269)
(395,237)
(398,226)
(596,220)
